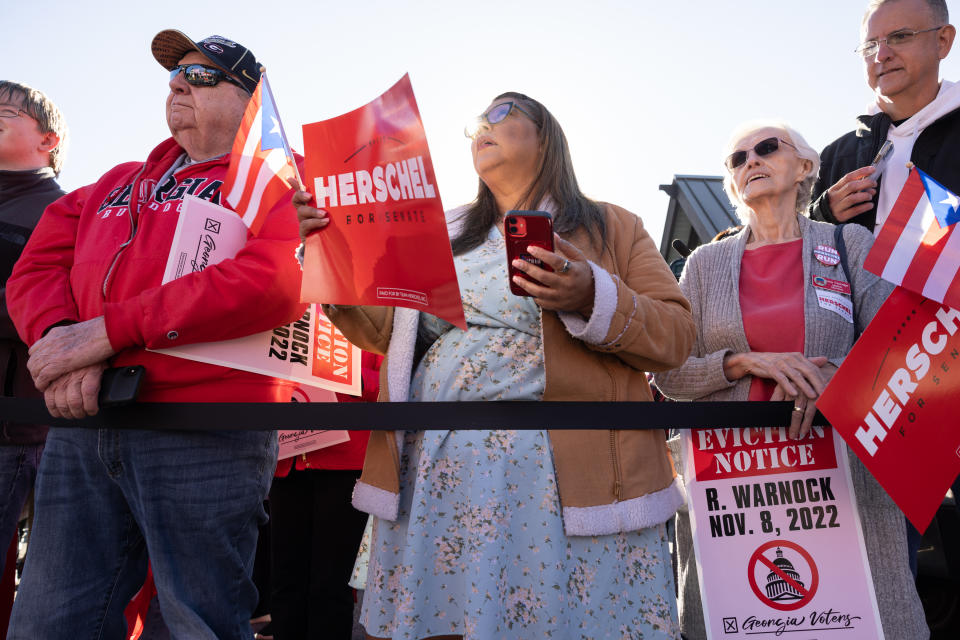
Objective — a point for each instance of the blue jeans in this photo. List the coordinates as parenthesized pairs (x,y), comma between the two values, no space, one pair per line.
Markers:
(107,499)
(18,469)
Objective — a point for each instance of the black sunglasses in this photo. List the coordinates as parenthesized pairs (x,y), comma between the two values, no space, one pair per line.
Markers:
(495,115)
(763,148)
(200,75)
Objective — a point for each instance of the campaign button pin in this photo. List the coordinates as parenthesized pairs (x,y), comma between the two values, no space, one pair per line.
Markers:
(826,255)
(831,285)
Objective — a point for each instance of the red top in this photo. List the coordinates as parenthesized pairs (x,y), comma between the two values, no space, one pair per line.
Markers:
(771,301)
(346,455)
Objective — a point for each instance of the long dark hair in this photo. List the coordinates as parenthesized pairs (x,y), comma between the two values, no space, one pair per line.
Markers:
(555,178)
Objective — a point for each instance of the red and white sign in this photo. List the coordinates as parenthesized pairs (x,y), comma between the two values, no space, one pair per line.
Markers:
(839,304)
(740,453)
(895,401)
(294,442)
(777,535)
(310,351)
(387,241)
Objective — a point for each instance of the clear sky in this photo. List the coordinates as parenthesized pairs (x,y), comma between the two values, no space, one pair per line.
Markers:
(644,90)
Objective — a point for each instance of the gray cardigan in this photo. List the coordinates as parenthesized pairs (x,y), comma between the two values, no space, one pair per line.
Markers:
(710,281)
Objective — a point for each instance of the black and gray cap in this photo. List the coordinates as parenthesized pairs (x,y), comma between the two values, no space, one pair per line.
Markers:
(169,47)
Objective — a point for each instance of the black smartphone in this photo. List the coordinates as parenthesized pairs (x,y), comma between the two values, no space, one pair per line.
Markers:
(120,385)
(522,229)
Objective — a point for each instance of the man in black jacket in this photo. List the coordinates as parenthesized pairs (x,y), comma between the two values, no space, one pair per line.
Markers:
(903,42)
(32,136)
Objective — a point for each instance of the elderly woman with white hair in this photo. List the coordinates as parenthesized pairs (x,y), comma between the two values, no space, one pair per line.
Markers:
(762,335)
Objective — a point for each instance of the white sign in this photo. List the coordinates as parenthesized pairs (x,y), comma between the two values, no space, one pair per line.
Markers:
(310,351)
(777,536)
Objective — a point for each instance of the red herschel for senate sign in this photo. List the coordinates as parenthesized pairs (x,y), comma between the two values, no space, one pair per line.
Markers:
(387,242)
(895,401)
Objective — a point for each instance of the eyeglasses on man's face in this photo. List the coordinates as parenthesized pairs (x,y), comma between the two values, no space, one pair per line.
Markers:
(899,38)
(763,148)
(496,114)
(200,75)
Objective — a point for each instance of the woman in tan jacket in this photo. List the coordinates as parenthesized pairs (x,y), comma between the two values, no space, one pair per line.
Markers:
(489,534)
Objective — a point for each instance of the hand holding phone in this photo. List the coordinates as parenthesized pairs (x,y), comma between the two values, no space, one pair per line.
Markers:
(522,229)
(879,160)
(565,277)
(853,194)
(120,385)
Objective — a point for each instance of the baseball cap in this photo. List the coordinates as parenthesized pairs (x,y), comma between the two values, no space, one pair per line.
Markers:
(169,47)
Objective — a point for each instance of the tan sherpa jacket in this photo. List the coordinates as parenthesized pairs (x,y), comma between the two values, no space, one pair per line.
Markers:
(609,480)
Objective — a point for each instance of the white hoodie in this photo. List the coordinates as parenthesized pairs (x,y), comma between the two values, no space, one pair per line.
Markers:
(903,137)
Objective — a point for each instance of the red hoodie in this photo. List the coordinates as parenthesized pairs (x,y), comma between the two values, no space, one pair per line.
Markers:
(102,250)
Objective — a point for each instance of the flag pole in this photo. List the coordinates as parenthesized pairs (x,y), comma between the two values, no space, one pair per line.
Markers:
(288,152)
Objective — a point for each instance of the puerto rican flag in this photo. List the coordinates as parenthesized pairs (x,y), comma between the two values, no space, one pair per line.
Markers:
(260,162)
(918,247)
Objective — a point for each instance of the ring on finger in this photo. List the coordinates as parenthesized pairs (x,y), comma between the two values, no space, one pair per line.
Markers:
(565,267)
(796,408)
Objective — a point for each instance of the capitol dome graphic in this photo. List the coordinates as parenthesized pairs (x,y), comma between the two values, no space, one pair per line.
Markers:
(779,589)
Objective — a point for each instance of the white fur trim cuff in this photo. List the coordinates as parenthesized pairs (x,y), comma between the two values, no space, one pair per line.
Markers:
(604,306)
(403,341)
(375,501)
(629,515)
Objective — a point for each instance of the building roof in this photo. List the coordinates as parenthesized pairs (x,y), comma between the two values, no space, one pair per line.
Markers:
(698,210)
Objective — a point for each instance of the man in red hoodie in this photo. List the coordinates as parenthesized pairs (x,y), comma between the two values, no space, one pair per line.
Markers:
(87,294)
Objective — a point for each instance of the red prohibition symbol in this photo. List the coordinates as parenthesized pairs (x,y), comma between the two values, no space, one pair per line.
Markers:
(784,590)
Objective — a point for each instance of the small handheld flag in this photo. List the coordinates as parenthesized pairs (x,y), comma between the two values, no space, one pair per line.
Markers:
(918,247)
(261,160)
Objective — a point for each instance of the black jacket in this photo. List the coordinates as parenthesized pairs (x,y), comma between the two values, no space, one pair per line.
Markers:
(23,197)
(936,151)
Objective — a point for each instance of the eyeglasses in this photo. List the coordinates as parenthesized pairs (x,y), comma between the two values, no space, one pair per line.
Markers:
(495,115)
(869,48)
(10,112)
(763,148)
(200,75)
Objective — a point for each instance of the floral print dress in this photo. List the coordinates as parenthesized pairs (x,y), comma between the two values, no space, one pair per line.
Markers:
(478,549)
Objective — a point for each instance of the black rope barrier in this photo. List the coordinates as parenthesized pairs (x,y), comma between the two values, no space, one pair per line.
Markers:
(385,416)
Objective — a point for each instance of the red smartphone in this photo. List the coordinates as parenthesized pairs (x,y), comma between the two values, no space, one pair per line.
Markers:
(522,229)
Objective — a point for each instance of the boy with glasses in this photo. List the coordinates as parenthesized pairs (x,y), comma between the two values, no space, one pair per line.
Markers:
(32,138)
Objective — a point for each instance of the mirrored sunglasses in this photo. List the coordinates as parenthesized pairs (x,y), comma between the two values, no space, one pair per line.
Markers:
(200,75)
